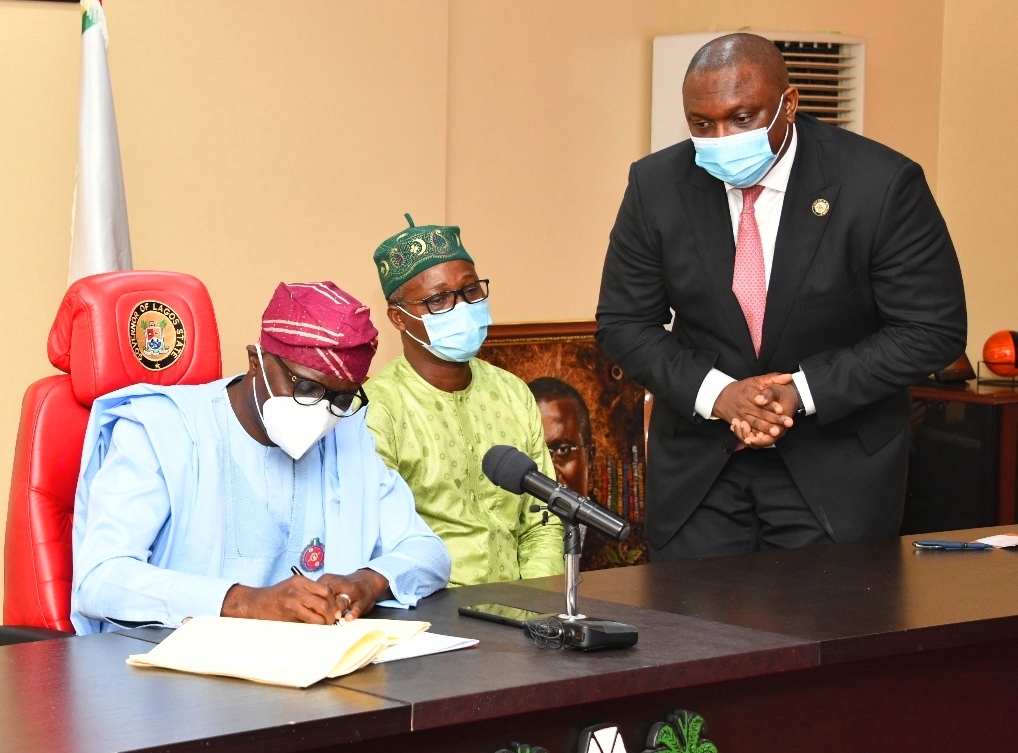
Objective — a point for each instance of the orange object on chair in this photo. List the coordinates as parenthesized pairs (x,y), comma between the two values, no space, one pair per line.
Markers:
(112,330)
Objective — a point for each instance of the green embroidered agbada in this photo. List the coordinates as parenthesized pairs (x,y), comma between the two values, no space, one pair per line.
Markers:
(436,440)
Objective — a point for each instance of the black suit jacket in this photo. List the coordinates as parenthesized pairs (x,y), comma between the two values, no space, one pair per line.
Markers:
(865,299)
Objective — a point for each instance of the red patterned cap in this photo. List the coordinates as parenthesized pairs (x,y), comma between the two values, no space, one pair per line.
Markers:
(319,326)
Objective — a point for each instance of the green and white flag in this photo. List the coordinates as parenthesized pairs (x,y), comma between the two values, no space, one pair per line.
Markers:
(100,240)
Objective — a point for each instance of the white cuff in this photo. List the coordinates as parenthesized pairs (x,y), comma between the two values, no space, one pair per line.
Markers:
(799,378)
(713,383)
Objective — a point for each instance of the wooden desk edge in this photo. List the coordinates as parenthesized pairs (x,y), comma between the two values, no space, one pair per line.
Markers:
(576,691)
(970,393)
(313,735)
(917,640)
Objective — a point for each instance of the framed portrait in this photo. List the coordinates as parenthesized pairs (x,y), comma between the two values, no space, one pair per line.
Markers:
(594,424)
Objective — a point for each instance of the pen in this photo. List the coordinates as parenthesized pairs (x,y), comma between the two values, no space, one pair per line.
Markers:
(949,545)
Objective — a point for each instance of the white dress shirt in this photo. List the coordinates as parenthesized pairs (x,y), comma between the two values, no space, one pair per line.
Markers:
(768,216)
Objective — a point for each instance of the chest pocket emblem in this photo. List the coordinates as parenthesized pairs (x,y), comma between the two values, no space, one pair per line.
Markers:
(313,556)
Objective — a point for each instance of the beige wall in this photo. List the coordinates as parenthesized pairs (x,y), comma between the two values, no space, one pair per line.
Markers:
(978,112)
(259,142)
(549,103)
(38,112)
(263,143)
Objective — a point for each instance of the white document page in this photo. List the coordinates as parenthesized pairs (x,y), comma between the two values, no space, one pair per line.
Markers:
(424,644)
(1000,541)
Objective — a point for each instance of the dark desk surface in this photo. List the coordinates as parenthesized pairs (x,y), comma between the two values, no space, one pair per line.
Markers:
(856,600)
(503,675)
(78,694)
(700,621)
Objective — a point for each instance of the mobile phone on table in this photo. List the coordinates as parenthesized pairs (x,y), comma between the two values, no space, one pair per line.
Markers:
(503,614)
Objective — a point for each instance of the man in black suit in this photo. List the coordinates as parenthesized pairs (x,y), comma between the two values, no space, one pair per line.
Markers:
(812,279)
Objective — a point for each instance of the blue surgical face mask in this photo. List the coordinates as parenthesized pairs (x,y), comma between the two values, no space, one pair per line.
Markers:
(456,335)
(741,159)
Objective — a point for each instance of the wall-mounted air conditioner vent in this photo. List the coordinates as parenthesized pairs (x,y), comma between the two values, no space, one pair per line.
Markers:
(827,69)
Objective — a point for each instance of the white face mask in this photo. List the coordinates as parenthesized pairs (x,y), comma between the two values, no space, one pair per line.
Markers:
(295,428)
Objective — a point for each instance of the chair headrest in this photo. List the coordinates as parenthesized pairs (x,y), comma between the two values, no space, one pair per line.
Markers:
(121,328)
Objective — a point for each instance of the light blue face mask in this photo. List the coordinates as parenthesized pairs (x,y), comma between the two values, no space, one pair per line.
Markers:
(741,159)
(456,335)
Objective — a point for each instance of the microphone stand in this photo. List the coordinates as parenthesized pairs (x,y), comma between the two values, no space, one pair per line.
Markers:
(572,547)
(581,633)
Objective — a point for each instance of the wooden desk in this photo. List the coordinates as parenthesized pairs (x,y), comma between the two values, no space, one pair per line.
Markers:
(870,646)
(965,456)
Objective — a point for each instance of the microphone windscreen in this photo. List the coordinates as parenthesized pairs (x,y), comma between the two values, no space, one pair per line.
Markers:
(506,467)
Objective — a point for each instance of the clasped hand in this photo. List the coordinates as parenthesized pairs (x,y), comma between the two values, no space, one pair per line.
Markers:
(301,599)
(759,410)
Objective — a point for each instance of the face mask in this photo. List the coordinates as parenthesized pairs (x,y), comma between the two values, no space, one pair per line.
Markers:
(293,427)
(741,159)
(457,334)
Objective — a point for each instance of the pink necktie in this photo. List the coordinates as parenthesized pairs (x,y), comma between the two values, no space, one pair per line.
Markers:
(749,282)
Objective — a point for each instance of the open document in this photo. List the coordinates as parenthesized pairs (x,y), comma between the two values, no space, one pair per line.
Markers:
(278,653)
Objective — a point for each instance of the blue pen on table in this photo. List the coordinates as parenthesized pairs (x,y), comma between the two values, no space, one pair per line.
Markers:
(975,545)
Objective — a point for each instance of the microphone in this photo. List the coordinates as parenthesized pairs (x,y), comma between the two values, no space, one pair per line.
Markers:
(516,472)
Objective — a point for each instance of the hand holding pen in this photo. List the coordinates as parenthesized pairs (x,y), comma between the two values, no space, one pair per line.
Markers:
(342,601)
(355,593)
(297,599)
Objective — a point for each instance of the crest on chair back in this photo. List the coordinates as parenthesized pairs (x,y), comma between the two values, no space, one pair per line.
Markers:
(123,328)
(157,335)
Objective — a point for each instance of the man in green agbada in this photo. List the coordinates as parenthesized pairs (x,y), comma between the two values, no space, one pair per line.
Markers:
(436,410)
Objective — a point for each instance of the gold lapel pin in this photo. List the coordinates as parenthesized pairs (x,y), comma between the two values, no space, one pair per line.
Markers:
(821,207)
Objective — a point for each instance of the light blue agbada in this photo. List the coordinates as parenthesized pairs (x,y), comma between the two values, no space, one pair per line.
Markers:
(176,503)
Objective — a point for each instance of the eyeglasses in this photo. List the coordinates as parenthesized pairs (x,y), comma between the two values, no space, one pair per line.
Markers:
(310,392)
(564,453)
(439,303)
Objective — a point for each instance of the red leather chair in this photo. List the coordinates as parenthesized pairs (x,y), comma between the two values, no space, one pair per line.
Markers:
(111,330)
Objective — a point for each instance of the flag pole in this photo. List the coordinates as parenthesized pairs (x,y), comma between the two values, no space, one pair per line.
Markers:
(100,236)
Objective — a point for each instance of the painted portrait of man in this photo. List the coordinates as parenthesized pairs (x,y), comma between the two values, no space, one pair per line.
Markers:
(593,420)
(567,431)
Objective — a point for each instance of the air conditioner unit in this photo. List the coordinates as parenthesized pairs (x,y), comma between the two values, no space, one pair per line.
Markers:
(827,69)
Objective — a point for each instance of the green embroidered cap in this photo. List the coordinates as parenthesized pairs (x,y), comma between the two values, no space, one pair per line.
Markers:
(411,251)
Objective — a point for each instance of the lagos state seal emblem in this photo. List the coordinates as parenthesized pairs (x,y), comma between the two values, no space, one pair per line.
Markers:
(157,335)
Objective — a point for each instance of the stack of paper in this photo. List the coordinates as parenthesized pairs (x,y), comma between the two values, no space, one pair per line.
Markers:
(279,653)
